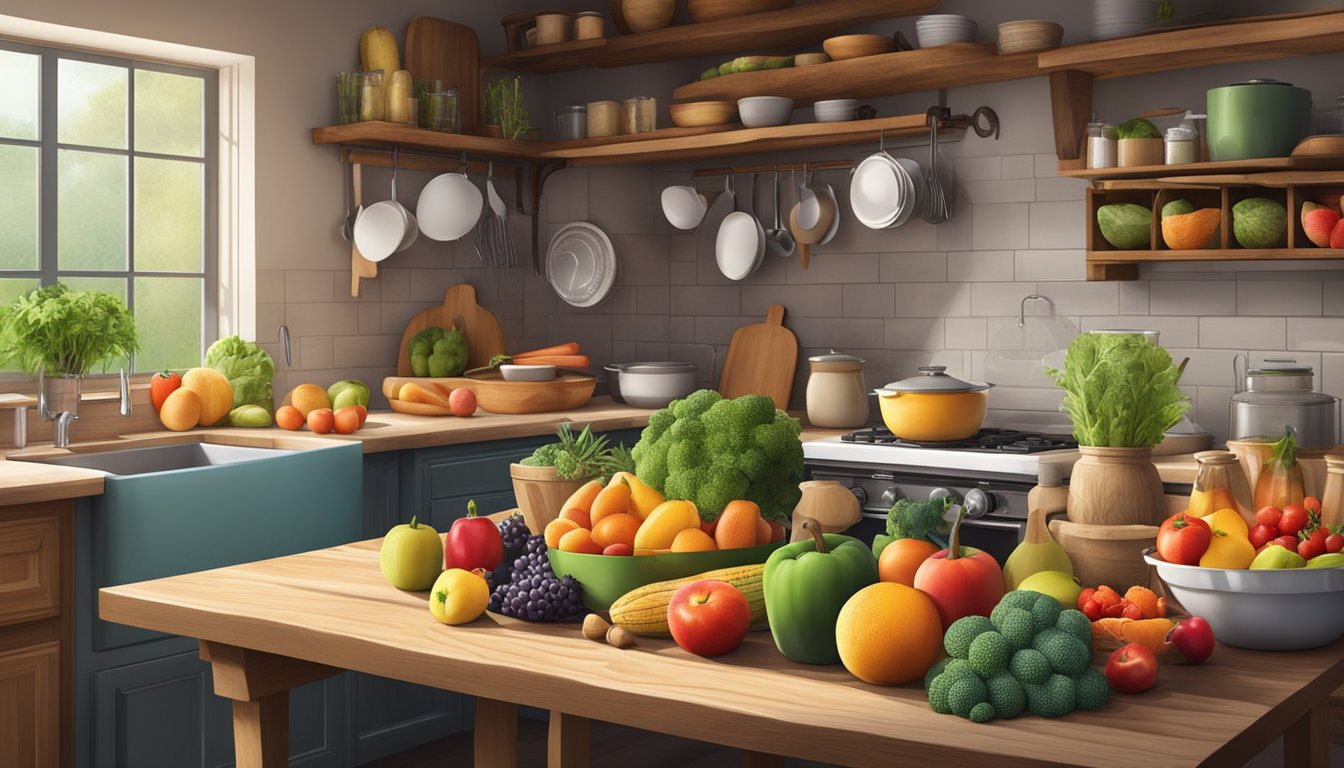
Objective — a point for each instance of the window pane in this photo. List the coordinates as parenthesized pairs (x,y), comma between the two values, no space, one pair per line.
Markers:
(169,197)
(14,287)
(168,114)
(168,319)
(18,207)
(91,104)
(90,211)
(19,83)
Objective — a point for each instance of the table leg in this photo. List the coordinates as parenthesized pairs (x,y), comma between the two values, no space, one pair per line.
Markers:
(261,731)
(567,742)
(761,760)
(1306,743)
(496,734)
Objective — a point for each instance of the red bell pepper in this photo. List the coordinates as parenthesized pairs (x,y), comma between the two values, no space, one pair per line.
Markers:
(473,542)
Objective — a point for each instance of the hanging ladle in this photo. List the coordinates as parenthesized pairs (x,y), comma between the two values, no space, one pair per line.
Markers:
(777,238)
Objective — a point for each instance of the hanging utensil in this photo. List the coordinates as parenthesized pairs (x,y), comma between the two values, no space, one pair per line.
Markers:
(777,238)
(348,225)
(936,211)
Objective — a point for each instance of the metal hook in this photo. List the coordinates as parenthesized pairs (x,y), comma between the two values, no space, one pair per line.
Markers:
(466,166)
(881,140)
(991,127)
(1022,309)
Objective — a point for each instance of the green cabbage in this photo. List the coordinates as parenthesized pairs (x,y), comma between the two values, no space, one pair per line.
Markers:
(1120,390)
(248,367)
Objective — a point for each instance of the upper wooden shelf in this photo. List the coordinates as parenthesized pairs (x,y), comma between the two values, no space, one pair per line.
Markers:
(781,30)
(1261,169)
(673,145)
(886,74)
(1242,40)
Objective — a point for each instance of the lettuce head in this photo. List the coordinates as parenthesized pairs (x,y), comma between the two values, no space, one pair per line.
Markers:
(248,367)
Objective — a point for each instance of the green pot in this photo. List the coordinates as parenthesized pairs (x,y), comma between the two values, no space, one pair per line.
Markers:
(1259,118)
(606,577)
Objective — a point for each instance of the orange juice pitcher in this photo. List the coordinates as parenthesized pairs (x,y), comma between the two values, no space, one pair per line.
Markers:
(1220,484)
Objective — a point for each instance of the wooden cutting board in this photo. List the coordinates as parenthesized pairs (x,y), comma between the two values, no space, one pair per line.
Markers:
(485,338)
(761,360)
(360,267)
(442,50)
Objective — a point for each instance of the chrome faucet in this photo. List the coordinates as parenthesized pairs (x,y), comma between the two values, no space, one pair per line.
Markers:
(61,435)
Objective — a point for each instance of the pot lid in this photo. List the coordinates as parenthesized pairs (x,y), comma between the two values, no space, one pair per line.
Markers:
(934,378)
(654,367)
(836,357)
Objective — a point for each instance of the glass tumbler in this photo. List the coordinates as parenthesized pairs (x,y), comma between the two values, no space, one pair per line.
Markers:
(347,96)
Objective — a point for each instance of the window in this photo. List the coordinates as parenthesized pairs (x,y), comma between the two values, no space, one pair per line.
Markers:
(107,182)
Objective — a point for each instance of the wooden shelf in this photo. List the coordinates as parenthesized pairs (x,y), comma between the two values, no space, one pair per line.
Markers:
(1260,167)
(782,30)
(673,145)
(1242,40)
(1215,254)
(886,74)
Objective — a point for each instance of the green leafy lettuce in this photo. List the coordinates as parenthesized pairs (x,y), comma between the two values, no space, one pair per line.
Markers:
(1138,128)
(248,367)
(66,331)
(1120,390)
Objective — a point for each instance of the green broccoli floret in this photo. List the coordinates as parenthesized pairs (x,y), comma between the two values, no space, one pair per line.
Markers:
(420,364)
(958,668)
(544,456)
(1007,695)
(566,465)
(962,632)
(1045,613)
(1029,666)
(1067,654)
(721,485)
(1014,624)
(1091,689)
(965,693)
(1055,698)
(938,694)
(982,712)
(919,520)
(449,357)
(934,671)
(1071,621)
(989,654)
(1021,598)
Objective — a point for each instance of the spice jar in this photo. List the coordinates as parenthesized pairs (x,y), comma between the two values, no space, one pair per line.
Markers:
(372,103)
(1101,145)
(1180,146)
(590,25)
(604,119)
(639,114)
(572,122)
(1220,484)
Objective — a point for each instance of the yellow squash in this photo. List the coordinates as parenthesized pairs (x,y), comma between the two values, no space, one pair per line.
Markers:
(378,50)
(643,610)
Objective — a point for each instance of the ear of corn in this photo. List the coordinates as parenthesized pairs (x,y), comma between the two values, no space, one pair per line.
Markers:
(643,610)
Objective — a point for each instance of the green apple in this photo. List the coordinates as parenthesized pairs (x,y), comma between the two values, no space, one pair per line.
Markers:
(1331,560)
(1057,584)
(359,389)
(1276,557)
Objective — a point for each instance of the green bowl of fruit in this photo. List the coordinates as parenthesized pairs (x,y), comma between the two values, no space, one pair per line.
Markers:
(604,578)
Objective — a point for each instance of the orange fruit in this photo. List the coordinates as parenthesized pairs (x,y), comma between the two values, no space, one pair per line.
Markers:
(578,516)
(215,392)
(616,529)
(288,417)
(308,398)
(557,528)
(579,540)
(692,540)
(181,410)
(321,420)
(763,531)
(737,525)
(612,500)
(889,634)
(346,420)
(901,558)
(584,496)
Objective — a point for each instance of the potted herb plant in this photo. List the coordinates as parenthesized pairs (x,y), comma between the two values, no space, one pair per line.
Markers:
(543,481)
(506,111)
(62,334)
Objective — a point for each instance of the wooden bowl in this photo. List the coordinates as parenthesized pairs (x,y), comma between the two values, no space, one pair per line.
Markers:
(808,59)
(648,15)
(1030,35)
(694,114)
(714,10)
(856,46)
(1107,554)
(1322,145)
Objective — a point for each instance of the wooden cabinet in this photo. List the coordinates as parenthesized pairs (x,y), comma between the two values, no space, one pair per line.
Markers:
(30,706)
(30,567)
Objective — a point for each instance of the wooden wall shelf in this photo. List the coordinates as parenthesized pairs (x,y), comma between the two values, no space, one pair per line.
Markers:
(783,30)
(925,69)
(1260,167)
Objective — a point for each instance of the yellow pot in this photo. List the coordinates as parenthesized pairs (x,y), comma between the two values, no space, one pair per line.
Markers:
(933,406)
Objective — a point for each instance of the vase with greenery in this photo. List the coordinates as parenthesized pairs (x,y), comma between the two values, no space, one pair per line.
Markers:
(65,332)
(506,108)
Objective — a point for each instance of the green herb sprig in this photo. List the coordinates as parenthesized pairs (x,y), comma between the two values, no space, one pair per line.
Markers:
(1120,390)
(66,331)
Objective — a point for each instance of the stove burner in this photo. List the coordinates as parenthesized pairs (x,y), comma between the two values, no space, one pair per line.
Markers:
(986,441)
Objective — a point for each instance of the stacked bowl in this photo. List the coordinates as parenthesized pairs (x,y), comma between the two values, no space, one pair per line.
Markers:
(1122,18)
(944,28)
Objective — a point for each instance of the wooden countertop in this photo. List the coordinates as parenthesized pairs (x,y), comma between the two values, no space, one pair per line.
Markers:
(23,482)
(755,699)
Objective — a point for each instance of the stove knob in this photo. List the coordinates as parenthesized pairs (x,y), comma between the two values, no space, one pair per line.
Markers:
(891,495)
(980,503)
(861,495)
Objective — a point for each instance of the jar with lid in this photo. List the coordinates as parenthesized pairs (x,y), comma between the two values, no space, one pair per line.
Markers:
(604,119)
(1102,145)
(836,395)
(1180,146)
(572,122)
(1220,484)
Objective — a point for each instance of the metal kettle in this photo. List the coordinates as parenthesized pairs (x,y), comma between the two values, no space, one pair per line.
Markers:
(1278,394)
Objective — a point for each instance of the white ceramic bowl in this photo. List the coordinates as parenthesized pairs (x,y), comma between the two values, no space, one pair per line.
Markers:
(944,28)
(684,207)
(765,111)
(1271,610)
(835,110)
(527,372)
(380,230)
(651,385)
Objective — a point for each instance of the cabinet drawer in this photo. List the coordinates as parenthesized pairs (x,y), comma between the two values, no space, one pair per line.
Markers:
(30,568)
(467,475)
(30,706)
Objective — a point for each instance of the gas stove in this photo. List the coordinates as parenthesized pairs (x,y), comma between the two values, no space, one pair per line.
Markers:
(1007,453)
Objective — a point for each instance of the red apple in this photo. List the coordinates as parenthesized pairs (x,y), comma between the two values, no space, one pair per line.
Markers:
(1132,668)
(1193,637)
(1319,223)
(1337,235)
(971,584)
(709,617)
(619,548)
(462,402)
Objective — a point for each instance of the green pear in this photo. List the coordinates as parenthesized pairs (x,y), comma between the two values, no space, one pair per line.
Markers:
(1277,557)
(1057,584)
(359,388)
(1331,560)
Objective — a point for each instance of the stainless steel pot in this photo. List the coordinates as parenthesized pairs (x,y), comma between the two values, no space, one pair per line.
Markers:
(1279,394)
(650,385)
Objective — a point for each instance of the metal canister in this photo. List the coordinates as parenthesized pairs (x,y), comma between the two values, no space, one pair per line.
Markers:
(572,122)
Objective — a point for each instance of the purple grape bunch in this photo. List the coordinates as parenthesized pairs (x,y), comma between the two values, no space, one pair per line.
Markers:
(534,593)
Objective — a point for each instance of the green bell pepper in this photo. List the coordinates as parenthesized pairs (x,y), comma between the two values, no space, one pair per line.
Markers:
(806,584)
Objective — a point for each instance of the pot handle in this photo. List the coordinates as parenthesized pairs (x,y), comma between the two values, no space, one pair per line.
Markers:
(886,393)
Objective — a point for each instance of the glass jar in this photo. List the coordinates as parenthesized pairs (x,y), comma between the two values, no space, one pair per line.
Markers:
(639,114)
(1102,145)
(372,103)
(1220,484)
(439,111)
(1180,148)
(1280,482)
(1332,497)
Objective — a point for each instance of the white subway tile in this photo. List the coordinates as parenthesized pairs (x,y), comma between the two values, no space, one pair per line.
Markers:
(853,332)
(932,299)
(1050,265)
(1207,367)
(270,286)
(269,319)
(365,351)
(370,319)
(1324,334)
(1056,188)
(1082,297)
(964,333)
(1047,165)
(315,352)
(1182,297)
(957,233)
(1331,378)
(1000,191)
(1019,166)
(868,300)
(1173,331)
(1333,295)
(1133,298)
(1242,332)
(998,299)
(913,267)
(1211,411)
(323,319)
(706,300)
(1001,225)
(832,268)
(314,285)
(798,300)
(1046,399)
(980,266)
(1058,225)
(978,168)
(914,333)
(1278,297)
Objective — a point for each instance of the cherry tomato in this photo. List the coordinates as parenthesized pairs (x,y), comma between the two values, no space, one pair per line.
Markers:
(1113,611)
(1294,519)
(1263,534)
(1183,539)
(1287,542)
(1269,516)
(1312,504)
(1334,542)
(1310,547)
(1092,610)
(1132,669)
(1085,596)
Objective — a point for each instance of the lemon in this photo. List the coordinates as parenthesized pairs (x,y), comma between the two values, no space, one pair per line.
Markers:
(1228,520)
(458,596)
(1227,550)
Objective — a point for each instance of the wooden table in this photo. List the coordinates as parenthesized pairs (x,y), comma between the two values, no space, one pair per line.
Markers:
(272,625)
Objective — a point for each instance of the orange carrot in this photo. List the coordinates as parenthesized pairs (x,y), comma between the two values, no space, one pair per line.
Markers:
(559,361)
(560,350)
(1109,634)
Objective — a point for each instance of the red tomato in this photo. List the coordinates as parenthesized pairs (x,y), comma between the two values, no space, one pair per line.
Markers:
(1085,597)
(1131,669)
(1310,547)
(1334,542)
(1269,516)
(1312,504)
(161,385)
(1131,611)
(1263,534)
(473,542)
(1183,539)
(1287,542)
(321,420)
(1092,610)
(346,420)
(971,584)
(1294,519)
(1193,637)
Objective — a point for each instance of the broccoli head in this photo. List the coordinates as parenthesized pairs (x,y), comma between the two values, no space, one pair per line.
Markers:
(1055,697)
(1091,689)
(711,451)
(1007,695)
(989,654)
(962,632)
(919,520)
